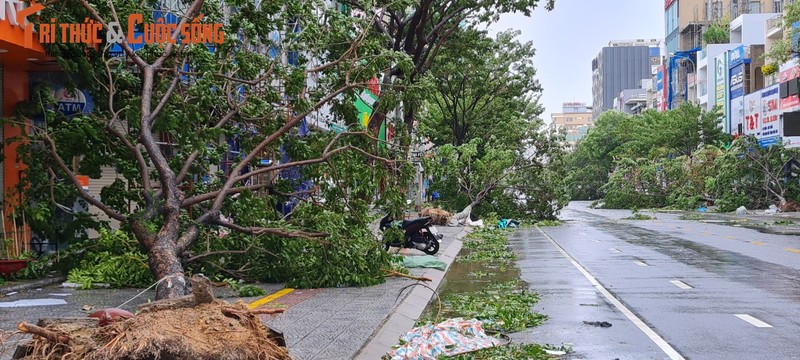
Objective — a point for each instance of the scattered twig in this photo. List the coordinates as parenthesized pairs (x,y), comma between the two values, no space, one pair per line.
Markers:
(438,299)
(399,274)
(40,331)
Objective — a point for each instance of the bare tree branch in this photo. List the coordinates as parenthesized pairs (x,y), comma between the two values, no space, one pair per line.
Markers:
(270,231)
(85,195)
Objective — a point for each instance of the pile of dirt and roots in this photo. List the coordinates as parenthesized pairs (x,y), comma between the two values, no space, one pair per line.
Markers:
(174,329)
(440,216)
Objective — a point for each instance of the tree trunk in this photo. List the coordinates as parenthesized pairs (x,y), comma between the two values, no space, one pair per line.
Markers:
(165,263)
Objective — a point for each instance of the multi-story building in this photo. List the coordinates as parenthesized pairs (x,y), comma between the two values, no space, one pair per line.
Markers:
(575,118)
(622,65)
(686,20)
(685,24)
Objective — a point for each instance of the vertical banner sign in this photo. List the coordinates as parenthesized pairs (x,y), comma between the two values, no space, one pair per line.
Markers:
(737,58)
(770,116)
(736,113)
(660,89)
(721,86)
(752,114)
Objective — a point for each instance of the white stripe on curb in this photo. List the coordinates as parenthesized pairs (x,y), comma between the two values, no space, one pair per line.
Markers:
(658,340)
(753,321)
(681,284)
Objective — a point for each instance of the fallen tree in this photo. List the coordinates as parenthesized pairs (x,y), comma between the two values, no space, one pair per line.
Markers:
(186,127)
(197,326)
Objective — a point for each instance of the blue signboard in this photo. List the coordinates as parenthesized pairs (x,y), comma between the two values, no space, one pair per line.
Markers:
(737,57)
(660,81)
(72,102)
(737,81)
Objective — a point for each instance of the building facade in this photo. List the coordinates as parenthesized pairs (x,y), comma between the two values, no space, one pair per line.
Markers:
(618,67)
(685,24)
(19,61)
(575,118)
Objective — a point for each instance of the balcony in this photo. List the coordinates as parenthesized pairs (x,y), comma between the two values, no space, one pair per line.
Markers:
(775,27)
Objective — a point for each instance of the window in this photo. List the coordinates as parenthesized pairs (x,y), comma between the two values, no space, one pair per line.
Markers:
(671,18)
(569,119)
(755,7)
(734,9)
(777,6)
(716,10)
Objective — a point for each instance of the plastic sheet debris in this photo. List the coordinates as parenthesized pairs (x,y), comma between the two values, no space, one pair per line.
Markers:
(741,210)
(427,261)
(507,223)
(772,209)
(448,338)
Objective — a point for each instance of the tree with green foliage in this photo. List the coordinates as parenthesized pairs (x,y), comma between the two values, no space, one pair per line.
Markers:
(622,153)
(200,98)
(717,33)
(492,149)
(420,29)
(484,87)
(753,176)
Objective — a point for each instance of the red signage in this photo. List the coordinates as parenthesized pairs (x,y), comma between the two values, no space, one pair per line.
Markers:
(789,102)
(789,74)
(667,3)
(375,86)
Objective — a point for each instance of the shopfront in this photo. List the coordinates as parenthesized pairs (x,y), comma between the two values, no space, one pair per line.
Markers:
(17,59)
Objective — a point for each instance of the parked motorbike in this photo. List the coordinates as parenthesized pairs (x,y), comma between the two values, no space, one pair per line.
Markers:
(420,234)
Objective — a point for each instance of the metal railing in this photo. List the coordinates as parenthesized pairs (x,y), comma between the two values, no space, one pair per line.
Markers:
(775,23)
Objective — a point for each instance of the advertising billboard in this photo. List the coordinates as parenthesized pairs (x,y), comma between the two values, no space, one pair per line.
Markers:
(737,81)
(736,122)
(752,114)
(770,133)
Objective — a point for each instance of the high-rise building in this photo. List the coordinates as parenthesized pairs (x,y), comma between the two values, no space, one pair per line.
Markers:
(575,118)
(621,65)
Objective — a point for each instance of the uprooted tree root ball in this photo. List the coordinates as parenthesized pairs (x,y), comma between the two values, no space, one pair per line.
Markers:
(208,331)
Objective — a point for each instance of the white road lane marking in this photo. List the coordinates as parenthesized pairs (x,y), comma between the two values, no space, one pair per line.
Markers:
(753,321)
(32,302)
(658,340)
(583,234)
(681,284)
(642,264)
(615,250)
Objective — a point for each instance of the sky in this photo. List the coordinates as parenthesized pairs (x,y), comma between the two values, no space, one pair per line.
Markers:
(570,36)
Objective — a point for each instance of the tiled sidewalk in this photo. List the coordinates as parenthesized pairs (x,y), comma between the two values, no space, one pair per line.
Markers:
(337,323)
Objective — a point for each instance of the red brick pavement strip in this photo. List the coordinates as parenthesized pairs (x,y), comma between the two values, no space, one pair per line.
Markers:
(289,300)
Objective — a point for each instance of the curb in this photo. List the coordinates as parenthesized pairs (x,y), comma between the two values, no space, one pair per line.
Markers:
(408,310)
(32,284)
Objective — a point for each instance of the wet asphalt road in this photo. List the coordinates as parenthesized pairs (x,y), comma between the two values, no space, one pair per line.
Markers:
(686,280)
